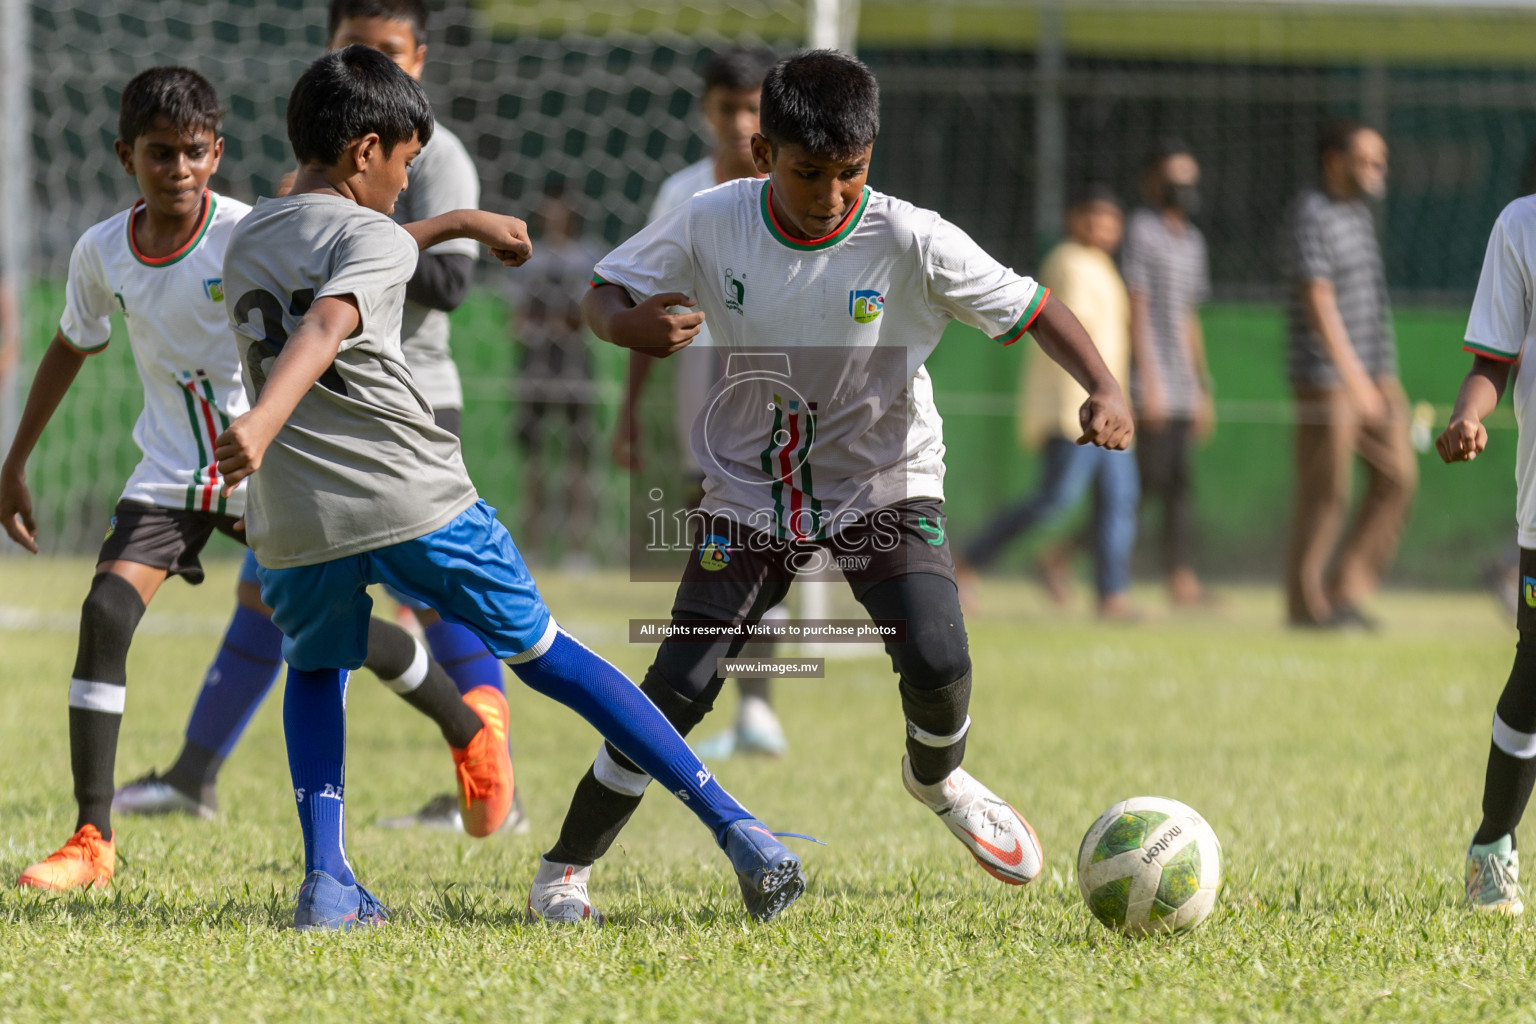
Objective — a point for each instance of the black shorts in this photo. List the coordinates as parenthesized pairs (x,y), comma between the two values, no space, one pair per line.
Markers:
(164,538)
(736,574)
(1525,607)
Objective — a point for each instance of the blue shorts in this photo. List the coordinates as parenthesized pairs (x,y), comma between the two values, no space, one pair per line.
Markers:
(469,571)
(249,573)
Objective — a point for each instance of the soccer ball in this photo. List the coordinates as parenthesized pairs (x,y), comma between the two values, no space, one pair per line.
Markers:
(1149,865)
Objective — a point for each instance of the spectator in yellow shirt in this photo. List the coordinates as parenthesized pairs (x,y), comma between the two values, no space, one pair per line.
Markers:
(1081,273)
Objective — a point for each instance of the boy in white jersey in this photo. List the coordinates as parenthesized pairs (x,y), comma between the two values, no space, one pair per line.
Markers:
(822,442)
(443,178)
(160,265)
(1502,322)
(733,89)
(354,483)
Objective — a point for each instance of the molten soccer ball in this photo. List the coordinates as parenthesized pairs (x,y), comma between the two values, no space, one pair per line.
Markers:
(1149,865)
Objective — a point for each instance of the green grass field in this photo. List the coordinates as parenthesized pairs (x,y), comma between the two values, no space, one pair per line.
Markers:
(1341,772)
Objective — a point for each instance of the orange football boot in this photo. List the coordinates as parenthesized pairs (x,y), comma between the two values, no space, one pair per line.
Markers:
(484,768)
(86,860)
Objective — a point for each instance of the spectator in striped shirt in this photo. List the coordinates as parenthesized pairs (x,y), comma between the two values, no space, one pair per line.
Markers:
(1349,402)
(1166,270)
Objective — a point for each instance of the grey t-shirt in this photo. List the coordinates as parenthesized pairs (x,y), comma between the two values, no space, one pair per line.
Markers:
(360,464)
(1336,241)
(443,178)
(1172,270)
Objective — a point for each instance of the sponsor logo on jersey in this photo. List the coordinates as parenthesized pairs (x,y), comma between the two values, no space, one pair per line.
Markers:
(714,553)
(865,305)
(214,286)
(735,291)
(1530,591)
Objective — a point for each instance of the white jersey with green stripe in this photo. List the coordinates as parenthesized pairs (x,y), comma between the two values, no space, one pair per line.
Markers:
(173,309)
(826,411)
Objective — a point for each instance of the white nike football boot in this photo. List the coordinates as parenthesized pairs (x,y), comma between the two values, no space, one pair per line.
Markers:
(559,895)
(997,835)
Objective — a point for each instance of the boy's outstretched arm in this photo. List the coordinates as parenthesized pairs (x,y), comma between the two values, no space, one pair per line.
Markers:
(304,358)
(1105,417)
(1465,436)
(646,328)
(506,237)
(54,375)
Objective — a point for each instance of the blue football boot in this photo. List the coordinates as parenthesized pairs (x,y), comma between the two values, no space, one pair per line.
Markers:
(769,872)
(326,903)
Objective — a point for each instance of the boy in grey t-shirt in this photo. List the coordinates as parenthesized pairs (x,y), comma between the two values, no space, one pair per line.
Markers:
(354,484)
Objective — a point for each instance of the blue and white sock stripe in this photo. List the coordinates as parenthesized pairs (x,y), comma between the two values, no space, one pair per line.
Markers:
(414,675)
(108,698)
(929,739)
(615,776)
(1512,742)
(541,648)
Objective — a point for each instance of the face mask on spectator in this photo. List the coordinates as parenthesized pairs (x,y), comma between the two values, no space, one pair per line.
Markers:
(1184,198)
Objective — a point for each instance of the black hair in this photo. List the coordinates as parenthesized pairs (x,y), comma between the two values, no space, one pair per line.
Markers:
(348,93)
(1090,193)
(737,69)
(1165,148)
(1337,137)
(822,100)
(176,96)
(413,11)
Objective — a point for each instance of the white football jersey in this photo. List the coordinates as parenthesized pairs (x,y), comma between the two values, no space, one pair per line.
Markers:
(173,308)
(825,412)
(697,366)
(1502,321)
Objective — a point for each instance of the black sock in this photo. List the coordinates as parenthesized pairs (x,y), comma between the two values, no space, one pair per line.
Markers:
(108,618)
(595,819)
(92,756)
(1506,791)
(1507,784)
(597,813)
(195,773)
(404,666)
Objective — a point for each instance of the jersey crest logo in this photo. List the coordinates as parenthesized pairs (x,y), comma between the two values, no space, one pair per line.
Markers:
(714,553)
(1529,587)
(214,286)
(865,305)
(735,292)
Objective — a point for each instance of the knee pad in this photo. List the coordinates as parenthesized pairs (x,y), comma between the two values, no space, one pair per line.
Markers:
(108,618)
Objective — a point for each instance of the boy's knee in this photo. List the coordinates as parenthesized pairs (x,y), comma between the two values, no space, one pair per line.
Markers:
(249,596)
(108,619)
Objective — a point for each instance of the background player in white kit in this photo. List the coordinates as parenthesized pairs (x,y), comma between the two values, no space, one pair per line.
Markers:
(1503,319)
(443,178)
(827,444)
(733,87)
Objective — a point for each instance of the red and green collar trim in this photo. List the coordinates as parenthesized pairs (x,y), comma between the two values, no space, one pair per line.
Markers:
(210,201)
(841,232)
(1036,304)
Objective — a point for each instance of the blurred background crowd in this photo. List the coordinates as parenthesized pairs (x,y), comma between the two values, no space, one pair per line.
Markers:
(1270,215)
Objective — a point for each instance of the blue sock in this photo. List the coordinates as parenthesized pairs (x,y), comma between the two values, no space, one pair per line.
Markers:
(237,681)
(315,727)
(463,656)
(604,696)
